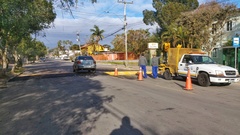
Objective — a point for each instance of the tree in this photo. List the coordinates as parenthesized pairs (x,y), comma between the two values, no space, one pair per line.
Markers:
(175,35)
(167,11)
(137,41)
(74,47)
(97,35)
(205,24)
(165,14)
(118,43)
(19,19)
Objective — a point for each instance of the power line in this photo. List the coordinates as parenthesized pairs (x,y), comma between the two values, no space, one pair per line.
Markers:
(113,33)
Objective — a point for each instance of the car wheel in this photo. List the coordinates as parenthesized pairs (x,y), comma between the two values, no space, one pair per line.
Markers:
(203,79)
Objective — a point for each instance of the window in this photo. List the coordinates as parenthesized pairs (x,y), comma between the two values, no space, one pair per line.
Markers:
(229,26)
(186,59)
(214,52)
(214,28)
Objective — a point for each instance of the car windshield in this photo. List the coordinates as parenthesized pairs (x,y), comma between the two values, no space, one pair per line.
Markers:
(202,60)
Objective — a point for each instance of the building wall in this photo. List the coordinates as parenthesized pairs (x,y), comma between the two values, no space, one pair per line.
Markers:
(230,31)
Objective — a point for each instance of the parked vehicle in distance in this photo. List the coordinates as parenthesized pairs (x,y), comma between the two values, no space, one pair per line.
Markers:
(42,59)
(84,63)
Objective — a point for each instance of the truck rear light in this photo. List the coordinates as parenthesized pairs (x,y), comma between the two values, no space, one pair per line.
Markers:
(94,62)
(78,62)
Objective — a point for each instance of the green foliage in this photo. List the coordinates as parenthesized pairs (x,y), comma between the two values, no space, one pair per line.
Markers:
(18,20)
(167,11)
(229,43)
(118,43)
(97,34)
(74,47)
(165,14)
(137,41)
(29,48)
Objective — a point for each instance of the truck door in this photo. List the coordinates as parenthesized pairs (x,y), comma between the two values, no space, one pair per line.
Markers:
(188,62)
(183,65)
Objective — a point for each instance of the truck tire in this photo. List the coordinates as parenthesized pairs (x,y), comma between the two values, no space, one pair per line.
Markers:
(167,75)
(203,79)
(184,78)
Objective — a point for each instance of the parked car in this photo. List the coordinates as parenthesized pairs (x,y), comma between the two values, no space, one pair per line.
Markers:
(42,59)
(84,63)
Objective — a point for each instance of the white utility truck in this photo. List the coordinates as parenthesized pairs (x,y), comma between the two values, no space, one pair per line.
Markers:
(201,67)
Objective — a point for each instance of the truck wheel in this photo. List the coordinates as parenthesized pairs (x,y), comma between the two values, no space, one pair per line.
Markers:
(184,78)
(203,79)
(167,75)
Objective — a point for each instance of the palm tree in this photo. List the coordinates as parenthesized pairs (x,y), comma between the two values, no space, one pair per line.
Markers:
(96,35)
(176,34)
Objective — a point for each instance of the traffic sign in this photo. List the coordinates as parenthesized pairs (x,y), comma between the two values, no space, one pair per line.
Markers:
(236,42)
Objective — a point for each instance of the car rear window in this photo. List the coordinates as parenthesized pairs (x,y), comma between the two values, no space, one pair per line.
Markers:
(85,58)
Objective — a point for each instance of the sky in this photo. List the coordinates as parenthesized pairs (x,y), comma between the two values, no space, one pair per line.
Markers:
(108,15)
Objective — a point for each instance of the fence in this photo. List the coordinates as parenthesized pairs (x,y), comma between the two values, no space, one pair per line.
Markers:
(115,56)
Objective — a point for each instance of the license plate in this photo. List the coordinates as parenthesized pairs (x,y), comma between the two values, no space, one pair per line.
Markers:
(230,81)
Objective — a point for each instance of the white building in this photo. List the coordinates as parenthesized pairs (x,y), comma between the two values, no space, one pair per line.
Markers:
(231,29)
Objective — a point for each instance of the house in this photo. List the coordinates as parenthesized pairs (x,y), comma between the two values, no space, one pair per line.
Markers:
(91,49)
(228,55)
(231,29)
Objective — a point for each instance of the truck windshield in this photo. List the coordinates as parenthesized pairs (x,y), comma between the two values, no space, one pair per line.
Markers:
(202,60)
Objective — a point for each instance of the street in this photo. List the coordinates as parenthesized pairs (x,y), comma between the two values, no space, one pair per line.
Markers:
(49,99)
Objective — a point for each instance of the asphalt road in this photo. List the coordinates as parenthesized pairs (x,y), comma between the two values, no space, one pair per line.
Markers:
(49,99)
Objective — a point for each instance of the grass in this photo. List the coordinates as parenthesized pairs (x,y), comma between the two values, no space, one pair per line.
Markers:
(10,74)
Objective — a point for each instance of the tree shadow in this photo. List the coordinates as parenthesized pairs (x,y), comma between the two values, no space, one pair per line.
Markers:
(59,103)
(126,128)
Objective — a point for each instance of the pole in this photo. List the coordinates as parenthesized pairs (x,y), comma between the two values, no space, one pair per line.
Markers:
(125,29)
(125,33)
(236,57)
(78,39)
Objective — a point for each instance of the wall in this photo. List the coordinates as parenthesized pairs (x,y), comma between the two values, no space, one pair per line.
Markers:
(115,56)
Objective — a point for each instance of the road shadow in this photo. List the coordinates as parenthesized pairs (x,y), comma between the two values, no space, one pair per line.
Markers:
(52,104)
(126,128)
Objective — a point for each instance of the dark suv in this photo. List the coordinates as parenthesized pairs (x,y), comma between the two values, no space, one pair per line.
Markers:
(84,63)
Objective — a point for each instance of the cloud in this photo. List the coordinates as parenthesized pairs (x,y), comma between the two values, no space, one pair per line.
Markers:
(106,14)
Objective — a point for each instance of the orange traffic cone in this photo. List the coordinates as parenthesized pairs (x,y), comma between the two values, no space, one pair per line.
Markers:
(140,74)
(188,85)
(116,72)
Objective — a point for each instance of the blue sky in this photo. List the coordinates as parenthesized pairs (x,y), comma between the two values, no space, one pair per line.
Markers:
(106,14)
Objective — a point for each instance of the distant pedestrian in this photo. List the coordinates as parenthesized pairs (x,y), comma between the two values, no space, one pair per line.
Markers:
(143,63)
(155,63)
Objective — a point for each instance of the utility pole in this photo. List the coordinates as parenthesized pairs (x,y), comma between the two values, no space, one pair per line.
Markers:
(78,39)
(125,29)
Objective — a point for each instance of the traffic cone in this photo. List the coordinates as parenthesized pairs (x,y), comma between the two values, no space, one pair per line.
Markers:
(116,72)
(140,74)
(188,85)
